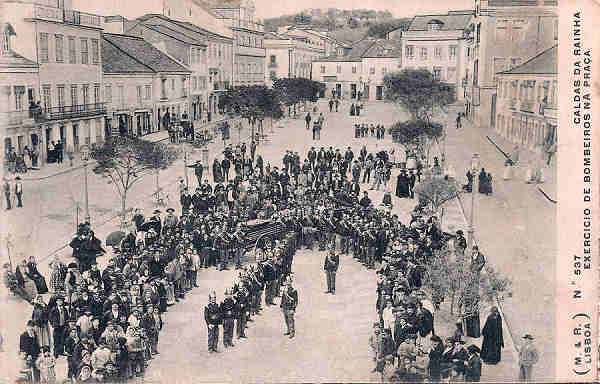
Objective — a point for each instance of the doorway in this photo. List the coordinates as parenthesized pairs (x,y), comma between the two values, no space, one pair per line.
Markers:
(379,92)
(353,91)
(338,90)
(366,93)
(493,112)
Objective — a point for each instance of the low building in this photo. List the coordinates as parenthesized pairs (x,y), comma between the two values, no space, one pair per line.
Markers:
(145,89)
(18,90)
(527,112)
(361,71)
(288,57)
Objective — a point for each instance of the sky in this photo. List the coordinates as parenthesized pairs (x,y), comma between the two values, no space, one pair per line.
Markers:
(399,8)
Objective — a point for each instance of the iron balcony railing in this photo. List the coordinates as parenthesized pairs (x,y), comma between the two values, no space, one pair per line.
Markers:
(74,111)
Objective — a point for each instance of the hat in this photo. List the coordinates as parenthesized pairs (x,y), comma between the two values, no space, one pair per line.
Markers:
(156,211)
(528,336)
(473,349)
(459,232)
(170,210)
(72,265)
(436,338)
(18,178)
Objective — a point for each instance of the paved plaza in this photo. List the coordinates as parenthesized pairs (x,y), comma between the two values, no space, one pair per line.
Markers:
(515,228)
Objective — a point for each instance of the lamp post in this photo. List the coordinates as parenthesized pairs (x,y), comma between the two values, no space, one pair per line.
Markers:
(471,231)
(185,166)
(85,156)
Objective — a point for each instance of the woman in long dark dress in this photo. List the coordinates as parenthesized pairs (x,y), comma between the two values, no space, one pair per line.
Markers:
(482,181)
(402,185)
(493,341)
(352,110)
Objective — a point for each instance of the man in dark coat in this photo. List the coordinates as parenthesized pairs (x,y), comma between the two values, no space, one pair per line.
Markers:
(331,264)
(198,170)
(228,315)
(402,185)
(213,317)
(473,365)
(434,367)
(59,318)
(493,341)
(30,348)
(289,302)
(225,165)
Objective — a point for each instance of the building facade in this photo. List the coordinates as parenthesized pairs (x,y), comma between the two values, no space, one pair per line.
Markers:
(288,57)
(502,35)
(208,55)
(248,40)
(361,71)
(526,112)
(437,43)
(318,40)
(18,90)
(144,89)
(66,45)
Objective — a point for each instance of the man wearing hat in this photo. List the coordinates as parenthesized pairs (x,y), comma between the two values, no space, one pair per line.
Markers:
(330,266)
(289,302)
(213,317)
(528,357)
(170,220)
(198,170)
(460,244)
(473,365)
(19,191)
(59,317)
(434,368)
(228,315)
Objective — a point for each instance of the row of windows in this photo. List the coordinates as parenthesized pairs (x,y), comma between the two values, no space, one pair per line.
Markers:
(85,48)
(372,70)
(199,82)
(220,50)
(439,52)
(250,68)
(249,40)
(528,90)
(75,91)
(197,56)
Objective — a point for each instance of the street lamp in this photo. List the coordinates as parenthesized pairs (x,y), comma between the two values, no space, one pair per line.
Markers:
(85,156)
(474,168)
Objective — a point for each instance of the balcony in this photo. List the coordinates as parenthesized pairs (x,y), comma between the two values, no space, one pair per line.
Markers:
(74,111)
(550,111)
(68,16)
(220,85)
(17,118)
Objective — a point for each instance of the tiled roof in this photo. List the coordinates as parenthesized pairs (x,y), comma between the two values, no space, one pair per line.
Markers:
(12,59)
(114,60)
(384,48)
(545,63)
(199,30)
(144,53)
(449,22)
(181,30)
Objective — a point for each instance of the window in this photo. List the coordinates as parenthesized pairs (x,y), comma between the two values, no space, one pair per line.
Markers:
(19,92)
(194,83)
(172,84)
(273,58)
(354,69)
(96,93)
(72,51)
(476,73)
(501,30)
(518,30)
(452,52)
(372,70)
(148,92)
(44,47)
(273,76)
(423,53)
(437,52)
(555,29)
(339,69)
(322,69)
(59,48)
(410,51)
(74,100)
(383,71)
(437,73)
(5,41)
(451,74)
(95,52)
(84,51)
(139,93)
(434,25)
(108,93)
(46,98)
(60,92)
(85,89)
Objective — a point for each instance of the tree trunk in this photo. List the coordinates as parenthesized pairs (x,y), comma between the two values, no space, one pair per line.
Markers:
(123,215)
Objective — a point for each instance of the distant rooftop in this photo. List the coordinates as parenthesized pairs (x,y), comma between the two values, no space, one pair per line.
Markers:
(545,63)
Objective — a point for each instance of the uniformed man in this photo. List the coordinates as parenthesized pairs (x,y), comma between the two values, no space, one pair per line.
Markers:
(241,308)
(212,316)
(228,316)
(289,302)
(332,262)
(270,277)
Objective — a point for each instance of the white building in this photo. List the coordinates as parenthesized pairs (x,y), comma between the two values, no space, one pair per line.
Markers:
(288,57)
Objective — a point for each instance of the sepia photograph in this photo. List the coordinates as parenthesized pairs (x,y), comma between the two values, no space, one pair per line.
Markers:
(249,191)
